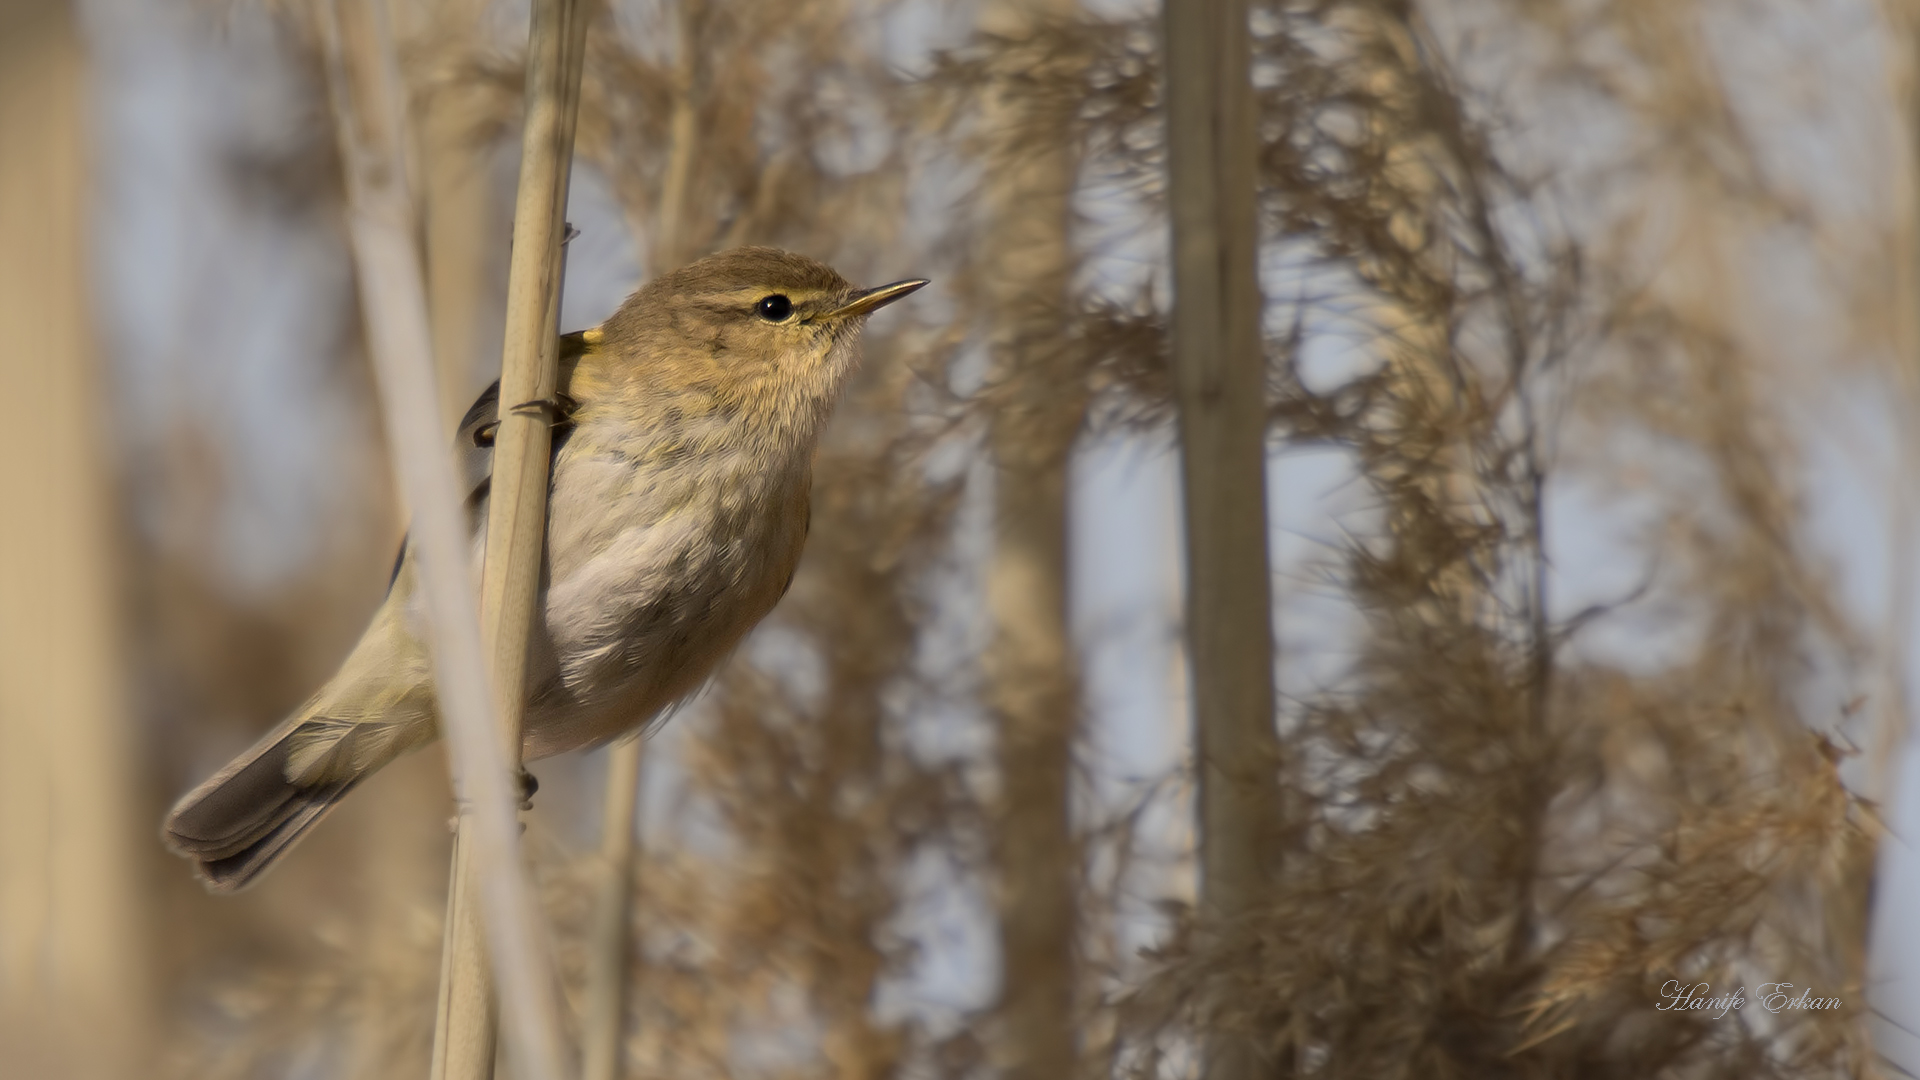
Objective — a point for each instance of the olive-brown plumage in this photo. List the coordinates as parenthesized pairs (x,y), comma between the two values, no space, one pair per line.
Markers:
(676,515)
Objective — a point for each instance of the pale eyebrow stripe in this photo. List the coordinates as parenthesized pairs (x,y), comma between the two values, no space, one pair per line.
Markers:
(798,296)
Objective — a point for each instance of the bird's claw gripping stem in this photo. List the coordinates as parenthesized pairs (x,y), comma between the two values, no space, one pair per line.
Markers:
(553,410)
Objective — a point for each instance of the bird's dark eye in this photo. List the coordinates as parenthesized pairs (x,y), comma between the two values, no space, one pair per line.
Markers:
(774,308)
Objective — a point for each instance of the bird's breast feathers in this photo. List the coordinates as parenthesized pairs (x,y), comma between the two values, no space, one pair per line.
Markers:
(656,571)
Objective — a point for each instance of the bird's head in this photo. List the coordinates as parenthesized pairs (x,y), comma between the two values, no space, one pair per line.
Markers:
(762,333)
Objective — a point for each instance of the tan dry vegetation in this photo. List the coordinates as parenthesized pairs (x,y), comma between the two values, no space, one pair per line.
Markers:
(1498,847)
(1504,852)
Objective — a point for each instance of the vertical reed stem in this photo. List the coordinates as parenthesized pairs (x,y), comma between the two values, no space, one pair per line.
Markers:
(1032,670)
(76,896)
(516,531)
(1221,385)
(612,913)
(370,115)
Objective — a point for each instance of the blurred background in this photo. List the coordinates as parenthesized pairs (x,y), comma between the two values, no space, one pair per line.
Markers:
(1592,332)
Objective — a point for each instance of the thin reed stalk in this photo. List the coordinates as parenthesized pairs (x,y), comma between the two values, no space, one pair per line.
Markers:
(1026,264)
(607,957)
(75,920)
(370,113)
(465,1028)
(1219,379)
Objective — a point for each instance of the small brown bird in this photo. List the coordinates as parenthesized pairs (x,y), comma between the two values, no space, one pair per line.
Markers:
(678,505)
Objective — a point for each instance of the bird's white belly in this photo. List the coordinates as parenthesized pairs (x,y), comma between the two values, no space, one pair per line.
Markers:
(649,589)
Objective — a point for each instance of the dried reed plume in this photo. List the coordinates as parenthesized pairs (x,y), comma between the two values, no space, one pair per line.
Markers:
(1500,844)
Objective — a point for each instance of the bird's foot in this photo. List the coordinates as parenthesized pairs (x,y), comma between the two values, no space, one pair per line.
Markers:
(553,410)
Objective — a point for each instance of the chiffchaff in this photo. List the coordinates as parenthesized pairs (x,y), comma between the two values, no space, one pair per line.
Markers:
(682,464)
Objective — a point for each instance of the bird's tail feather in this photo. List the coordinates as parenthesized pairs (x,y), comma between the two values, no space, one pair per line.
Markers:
(243,818)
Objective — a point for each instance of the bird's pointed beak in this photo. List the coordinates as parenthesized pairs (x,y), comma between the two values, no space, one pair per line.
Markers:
(870,300)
